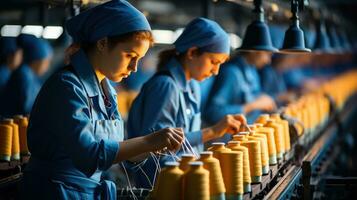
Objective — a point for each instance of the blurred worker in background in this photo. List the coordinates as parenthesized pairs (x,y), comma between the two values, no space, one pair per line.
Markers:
(25,82)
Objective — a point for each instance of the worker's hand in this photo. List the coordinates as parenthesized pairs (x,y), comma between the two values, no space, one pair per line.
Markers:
(229,124)
(265,103)
(167,138)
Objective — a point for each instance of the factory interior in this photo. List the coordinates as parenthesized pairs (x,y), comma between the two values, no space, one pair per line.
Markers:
(178,99)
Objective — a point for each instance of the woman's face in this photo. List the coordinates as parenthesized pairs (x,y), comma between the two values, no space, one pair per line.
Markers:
(204,65)
(122,59)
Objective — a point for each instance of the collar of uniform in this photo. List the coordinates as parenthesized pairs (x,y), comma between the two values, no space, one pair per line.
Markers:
(178,74)
(85,72)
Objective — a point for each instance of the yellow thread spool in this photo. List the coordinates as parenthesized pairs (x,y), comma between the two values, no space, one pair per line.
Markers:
(196,182)
(262,119)
(5,142)
(232,170)
(169,183)
(217,148)
(185,159)
(269,133)
(22,122)
(264,149)
(247,180)
(278,136)
(216,184)
(285,125)
(254,160)
(15,149)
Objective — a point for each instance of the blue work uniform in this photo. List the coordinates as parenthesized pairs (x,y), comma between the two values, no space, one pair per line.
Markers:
(271,81)
(166,100)
(236,84)
(20,92)
(4,77)
(73,135)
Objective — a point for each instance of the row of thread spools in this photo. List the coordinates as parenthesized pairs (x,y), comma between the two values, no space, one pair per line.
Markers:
(312,109)
(13,140)
(226,171)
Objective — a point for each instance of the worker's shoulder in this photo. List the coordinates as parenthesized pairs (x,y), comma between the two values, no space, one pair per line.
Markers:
(64,77)
(161,81)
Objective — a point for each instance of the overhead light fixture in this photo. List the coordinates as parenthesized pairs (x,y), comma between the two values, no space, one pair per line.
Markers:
(257,36)
(10,30)
(294,40)
(52,32)
(322,42)
(33,29)
(163,36)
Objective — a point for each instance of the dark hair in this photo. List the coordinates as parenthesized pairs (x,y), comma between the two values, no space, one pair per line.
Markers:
(114,40)
(166,55)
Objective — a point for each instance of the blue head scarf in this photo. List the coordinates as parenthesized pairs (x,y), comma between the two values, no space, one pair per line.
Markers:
(8,46)
(113,18)
(33,48)
(204,34)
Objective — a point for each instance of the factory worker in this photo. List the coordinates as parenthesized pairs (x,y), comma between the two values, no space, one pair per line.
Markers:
(271,79)
(237,89)
(25,82)
(172,96)
(10,59)
(75,131)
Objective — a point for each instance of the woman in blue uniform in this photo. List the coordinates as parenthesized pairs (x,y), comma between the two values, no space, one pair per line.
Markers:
(10,59)
(75,131)
(25,82)
(237,89)
(171,98)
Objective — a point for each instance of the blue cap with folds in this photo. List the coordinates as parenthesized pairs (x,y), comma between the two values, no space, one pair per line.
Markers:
(8,46)
(34,48)
(204,34)
(113,18)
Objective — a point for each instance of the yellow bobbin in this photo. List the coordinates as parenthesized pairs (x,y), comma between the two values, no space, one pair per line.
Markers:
(15,149)
(278,136)
(5,142)
(232,170)
(22,122)
(196,182)
(216,183)
(235,146)
(169,183)
(264,149)
(255,161)
(185,159)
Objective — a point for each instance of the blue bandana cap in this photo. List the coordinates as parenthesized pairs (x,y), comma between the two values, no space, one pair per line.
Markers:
(116,17)
(34,48)
(204,34)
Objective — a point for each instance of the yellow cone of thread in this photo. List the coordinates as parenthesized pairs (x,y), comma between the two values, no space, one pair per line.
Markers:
(185,159)
(285,125)
(241,136)
(169,183)
(196,182)
(15,149)
(262,119)
(217,188)
(217,148)
(264,149)
(269,133)
(254,160)
(278,136)
(22,122)
(247,180)
(5,142)
(232,170)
